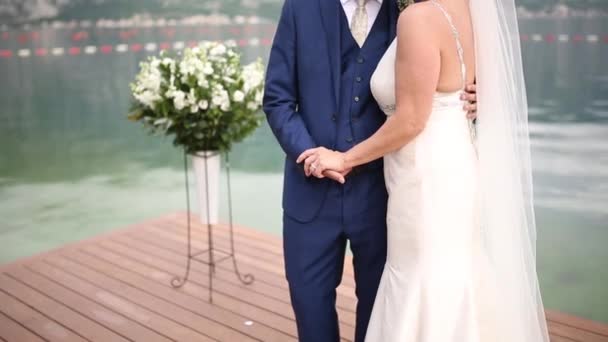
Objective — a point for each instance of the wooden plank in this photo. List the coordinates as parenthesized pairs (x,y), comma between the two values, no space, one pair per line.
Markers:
(245,253)
(270,244)
(246,257)
(236,302)
(199,275)
(127,307)
(90,329)
(168,309)
(273,279)
(580,323)
(270,284)
(12,331)
(146,279)
(574,333)
(255,239)
(51,296)
(556,338)
(225,280)
(245,248)
(33,320)
(347,327)
(114,232)
(270,248)
(88,308)
(233,301)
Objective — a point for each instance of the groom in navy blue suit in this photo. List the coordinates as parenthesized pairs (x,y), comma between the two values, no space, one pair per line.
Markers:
(318,94)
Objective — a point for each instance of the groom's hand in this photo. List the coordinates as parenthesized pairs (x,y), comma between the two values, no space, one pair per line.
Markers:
(318,160)
(470,95)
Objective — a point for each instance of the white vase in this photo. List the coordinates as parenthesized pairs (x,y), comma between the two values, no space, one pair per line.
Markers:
(207,175)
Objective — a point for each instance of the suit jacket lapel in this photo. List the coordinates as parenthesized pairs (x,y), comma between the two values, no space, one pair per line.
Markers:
(330,14)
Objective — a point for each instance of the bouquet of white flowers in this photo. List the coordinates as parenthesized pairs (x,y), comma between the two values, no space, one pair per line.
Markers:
(205,98)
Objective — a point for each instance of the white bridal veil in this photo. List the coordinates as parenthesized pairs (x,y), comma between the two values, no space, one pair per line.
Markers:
(508,221)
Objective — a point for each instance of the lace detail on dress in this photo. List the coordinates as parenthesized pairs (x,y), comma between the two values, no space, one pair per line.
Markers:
(388,109)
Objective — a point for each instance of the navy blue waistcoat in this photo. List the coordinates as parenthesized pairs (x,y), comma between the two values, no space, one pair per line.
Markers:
(359,115)
(318,94)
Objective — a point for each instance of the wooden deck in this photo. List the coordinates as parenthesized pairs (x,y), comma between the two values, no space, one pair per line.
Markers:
(117,288)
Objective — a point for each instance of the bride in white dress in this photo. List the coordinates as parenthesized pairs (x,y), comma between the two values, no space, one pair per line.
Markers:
(461,233)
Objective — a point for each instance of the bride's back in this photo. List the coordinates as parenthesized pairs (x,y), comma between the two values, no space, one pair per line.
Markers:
(450,79)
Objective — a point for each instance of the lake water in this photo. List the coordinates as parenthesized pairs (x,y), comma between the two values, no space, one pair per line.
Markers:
(71,166)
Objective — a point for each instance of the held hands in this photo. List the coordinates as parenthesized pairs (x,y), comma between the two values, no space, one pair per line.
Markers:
(322,162)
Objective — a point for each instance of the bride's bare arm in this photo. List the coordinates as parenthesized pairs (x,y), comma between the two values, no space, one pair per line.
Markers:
(417,68)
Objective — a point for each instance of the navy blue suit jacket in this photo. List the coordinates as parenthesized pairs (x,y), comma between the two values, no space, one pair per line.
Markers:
(302,90)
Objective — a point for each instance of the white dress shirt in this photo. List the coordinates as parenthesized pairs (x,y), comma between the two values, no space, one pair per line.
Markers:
(372,6)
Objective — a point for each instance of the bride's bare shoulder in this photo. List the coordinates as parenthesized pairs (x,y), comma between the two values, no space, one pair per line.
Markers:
(419,17)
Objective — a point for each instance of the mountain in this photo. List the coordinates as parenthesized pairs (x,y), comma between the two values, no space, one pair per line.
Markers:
(23,11)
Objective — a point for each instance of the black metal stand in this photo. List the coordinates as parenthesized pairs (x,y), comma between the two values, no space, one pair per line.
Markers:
(177,281)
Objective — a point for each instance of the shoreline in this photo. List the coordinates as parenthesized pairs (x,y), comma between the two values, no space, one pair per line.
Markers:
(218,19)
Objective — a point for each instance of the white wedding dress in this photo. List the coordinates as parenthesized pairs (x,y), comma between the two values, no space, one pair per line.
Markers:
(436,284)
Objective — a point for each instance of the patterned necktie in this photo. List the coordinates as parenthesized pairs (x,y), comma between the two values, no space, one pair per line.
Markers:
(359,23)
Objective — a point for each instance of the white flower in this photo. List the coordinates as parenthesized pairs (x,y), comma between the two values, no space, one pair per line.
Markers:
(185,68)
(194,108)
(208,69)
(152,82)
(252,106)
(191,65)
(259,97)
(253,75)
(170,63)
(171,91)
(179,100)
(203,104)
(219,49)
(147,98)
(191,99)
(202,82)
(220,98)
(230,71)
(150,79)
(146,88)
(206,45)
(238,96)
